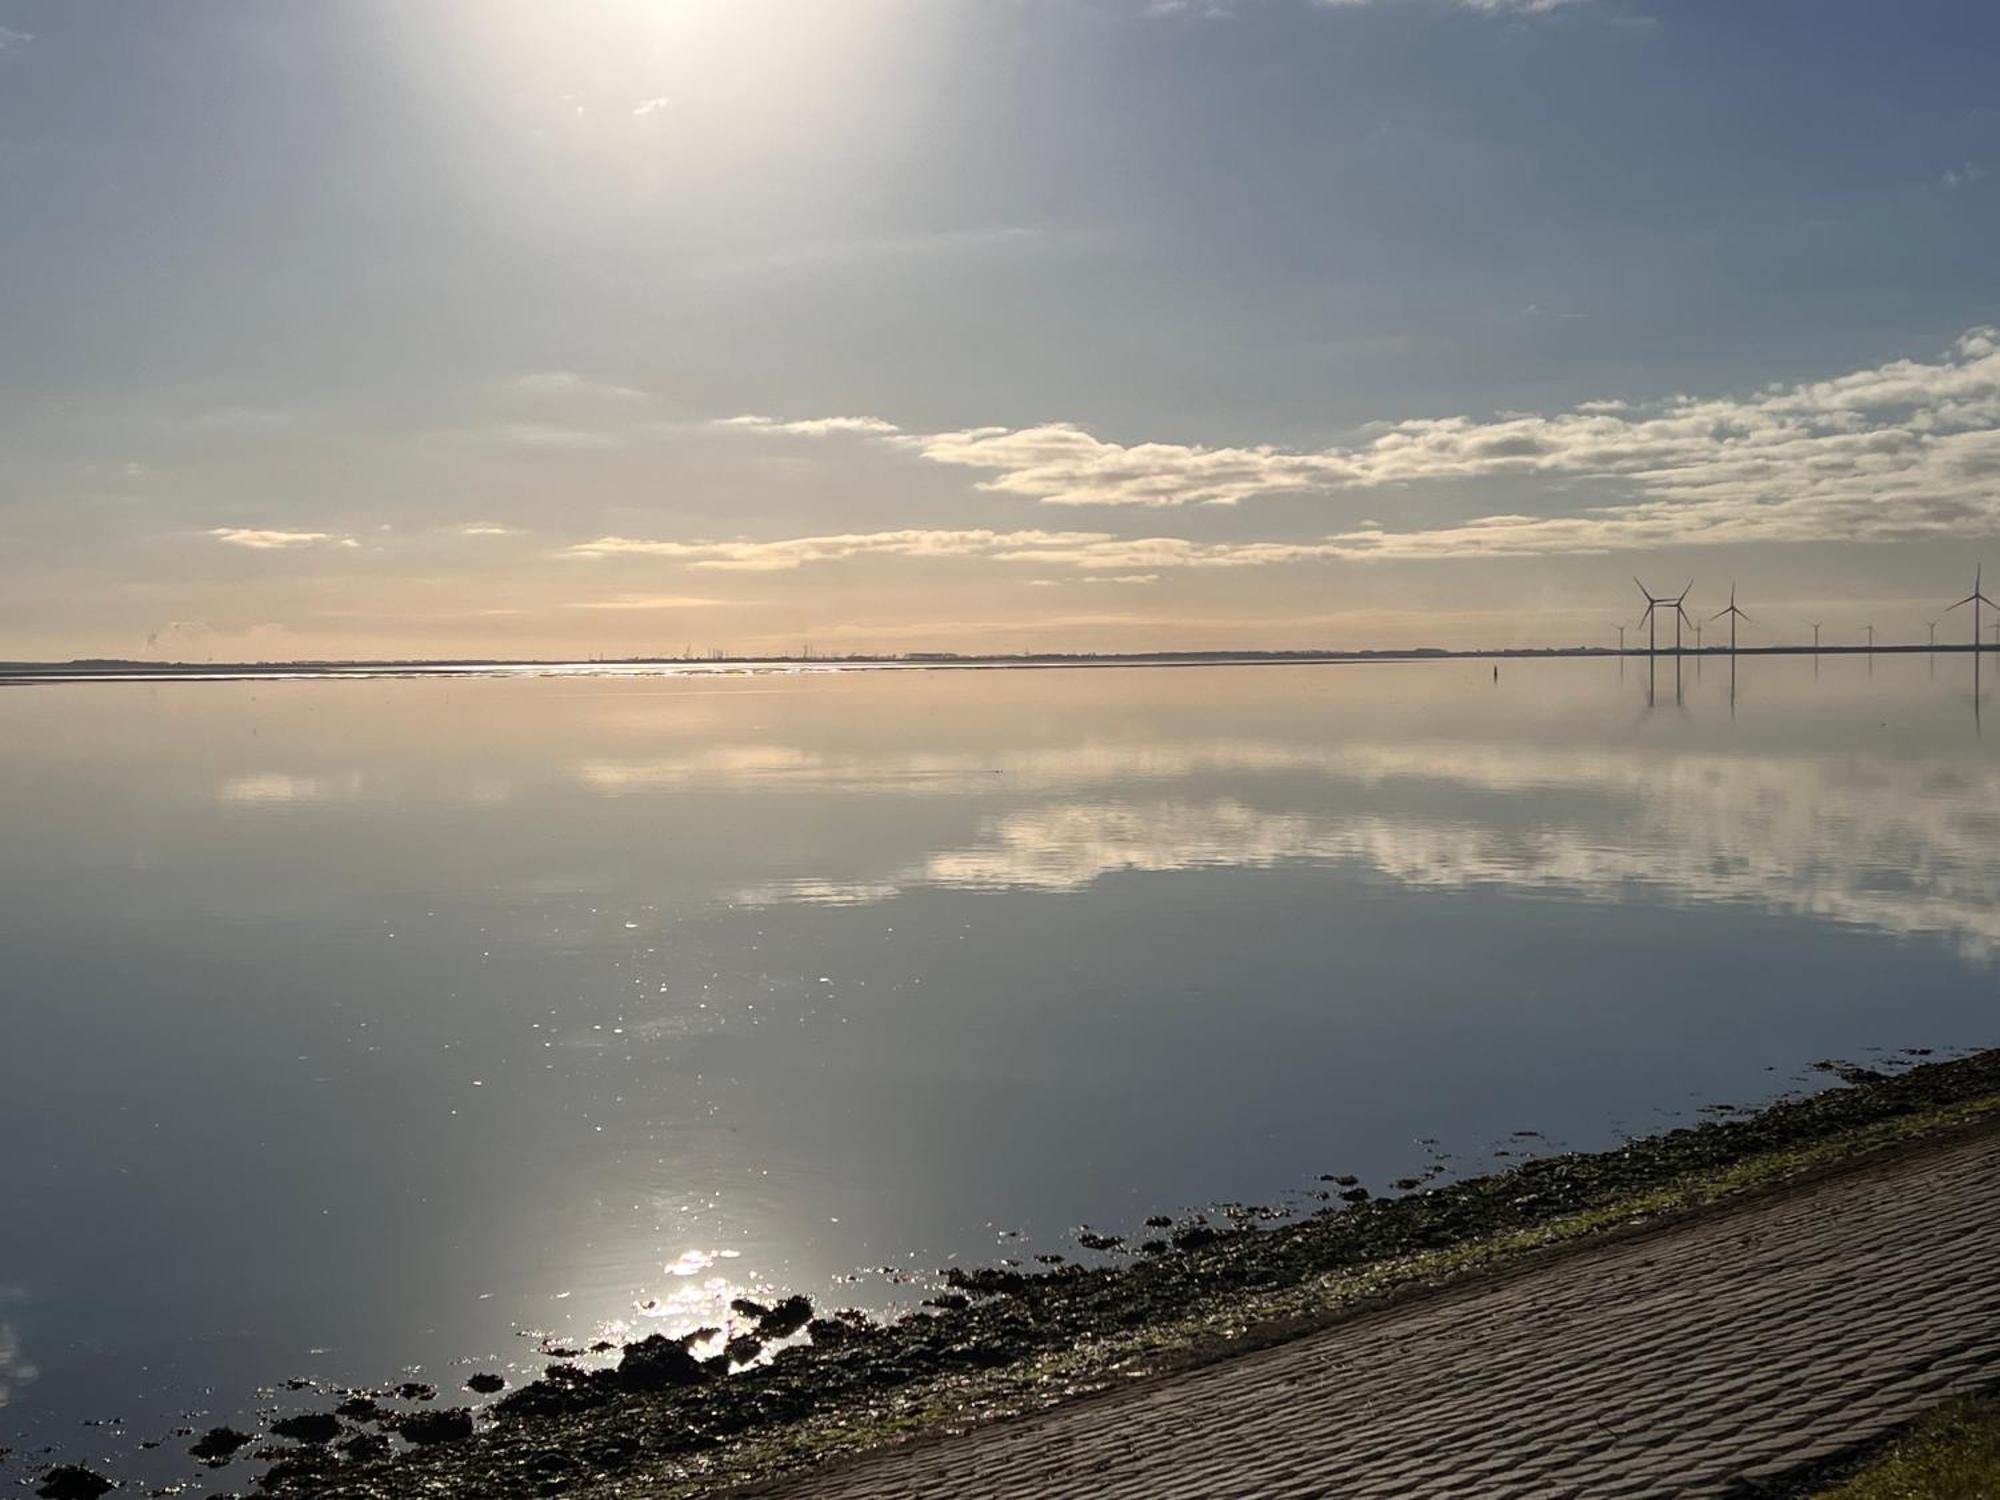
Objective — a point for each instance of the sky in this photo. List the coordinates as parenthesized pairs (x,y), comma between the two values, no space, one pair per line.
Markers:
(394,328)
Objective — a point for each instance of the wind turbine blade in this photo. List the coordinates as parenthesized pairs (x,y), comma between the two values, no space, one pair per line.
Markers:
(1961,603)
(1686,591)
(1683,613)
(1745,614)
(1721,612)
(1986,601)
(1644,592)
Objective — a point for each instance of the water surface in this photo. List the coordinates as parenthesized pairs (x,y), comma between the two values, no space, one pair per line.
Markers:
(362,1025)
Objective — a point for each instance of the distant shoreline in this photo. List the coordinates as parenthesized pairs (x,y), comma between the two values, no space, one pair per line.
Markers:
(117,670)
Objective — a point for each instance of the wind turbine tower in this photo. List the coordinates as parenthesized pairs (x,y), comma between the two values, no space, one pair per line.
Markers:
(1736,614)
(1976,598)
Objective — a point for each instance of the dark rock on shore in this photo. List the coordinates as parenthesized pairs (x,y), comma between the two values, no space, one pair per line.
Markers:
(657,1362)
(743,1307)
(484,1384)
(742,1349)
(416,1390)
(450,1425)
(359,1408)
(73,1482)
(308,1427)
(219,1444)
(603,1428)
(786,1318)
(1090,1240)
(364,1446)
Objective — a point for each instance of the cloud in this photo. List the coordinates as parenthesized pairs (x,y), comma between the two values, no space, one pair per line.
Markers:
(544,385)
(657,601)
(484,528)
(1962,176)
(275,541)
(814,426)
(1895,451)
(543,435)
(794,552)
(12,38)
(653,106)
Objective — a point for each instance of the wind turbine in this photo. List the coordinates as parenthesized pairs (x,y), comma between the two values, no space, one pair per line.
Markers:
(1976,598)
(1650,618)
(1736,614)
(1934,626)
(1871,637)
(1815,626)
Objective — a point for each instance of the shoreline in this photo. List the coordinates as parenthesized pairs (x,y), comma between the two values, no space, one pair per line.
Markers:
(115,670)
(658,1421)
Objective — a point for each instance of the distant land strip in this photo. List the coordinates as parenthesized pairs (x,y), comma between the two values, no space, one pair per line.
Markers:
(119,670)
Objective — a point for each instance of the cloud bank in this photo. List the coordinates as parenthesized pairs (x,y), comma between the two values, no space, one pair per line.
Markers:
(1898,451)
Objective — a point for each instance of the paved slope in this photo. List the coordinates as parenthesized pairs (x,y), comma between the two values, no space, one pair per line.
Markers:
(1698,1360)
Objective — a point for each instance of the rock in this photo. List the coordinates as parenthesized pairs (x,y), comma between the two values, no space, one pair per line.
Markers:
(949,1301)
(73,1482)
(218,1445)
(450,1425)
(359,1408)
(987,1281)
(657,1362)
(1194,1237)
(787,1318)
(364,1447)
(1355,1195)
(308,1427)
(743,1307)
(1159,1221)
(416,1390)
(742,1349)
(484,1384)
(1093,1241)
(843,1327)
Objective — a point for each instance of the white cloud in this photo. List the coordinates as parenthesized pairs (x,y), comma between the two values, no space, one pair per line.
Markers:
(273,541)
(485,528)
(543,435)
(794,552)
(656,601)
(1899,450)
(544,385)
(814,426)
(12,38)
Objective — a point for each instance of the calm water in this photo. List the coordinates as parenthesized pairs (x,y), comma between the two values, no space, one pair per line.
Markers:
(353,1026)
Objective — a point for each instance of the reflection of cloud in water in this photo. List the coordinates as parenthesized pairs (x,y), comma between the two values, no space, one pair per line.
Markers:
(1895,845)
(998,770)
(280,788)
(15,1371)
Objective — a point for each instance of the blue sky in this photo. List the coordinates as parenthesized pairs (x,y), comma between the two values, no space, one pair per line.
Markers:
(365,328)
